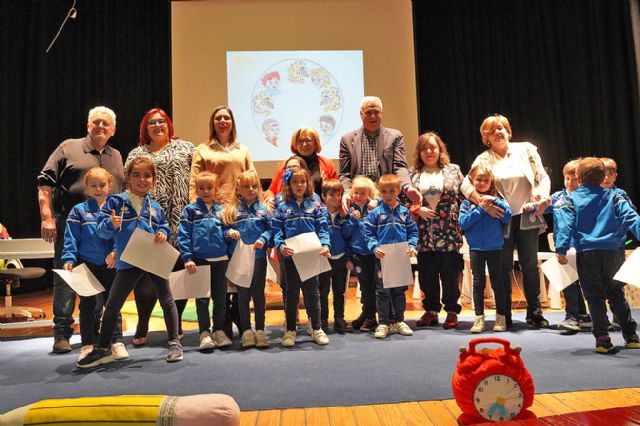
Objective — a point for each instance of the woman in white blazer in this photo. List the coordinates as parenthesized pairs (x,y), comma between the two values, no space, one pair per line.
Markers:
(522,181)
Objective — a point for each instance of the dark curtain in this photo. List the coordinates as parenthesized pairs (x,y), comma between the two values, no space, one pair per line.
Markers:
(563,72)
(115,53)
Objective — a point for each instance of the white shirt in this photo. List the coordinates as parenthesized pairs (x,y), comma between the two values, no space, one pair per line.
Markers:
(431,185)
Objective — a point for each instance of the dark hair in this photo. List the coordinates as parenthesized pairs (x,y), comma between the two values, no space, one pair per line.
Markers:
(286,190)
(590,171)
(142,161)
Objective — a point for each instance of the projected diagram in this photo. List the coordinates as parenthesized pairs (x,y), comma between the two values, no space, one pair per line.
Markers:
(288,83)
(291,90)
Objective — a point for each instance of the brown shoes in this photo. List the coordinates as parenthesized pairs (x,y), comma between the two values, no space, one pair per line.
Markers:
(61,345)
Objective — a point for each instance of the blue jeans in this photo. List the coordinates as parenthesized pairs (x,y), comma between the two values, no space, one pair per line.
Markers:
(218,295)
(391,302)
(255,292)
(64,298)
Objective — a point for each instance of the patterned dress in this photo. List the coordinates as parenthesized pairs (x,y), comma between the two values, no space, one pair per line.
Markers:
(173,164)
(442,233)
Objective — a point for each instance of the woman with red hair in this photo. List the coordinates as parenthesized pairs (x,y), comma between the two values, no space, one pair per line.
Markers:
(172,157)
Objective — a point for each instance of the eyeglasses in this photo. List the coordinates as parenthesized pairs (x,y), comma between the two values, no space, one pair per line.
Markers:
(158,122)
(307,141)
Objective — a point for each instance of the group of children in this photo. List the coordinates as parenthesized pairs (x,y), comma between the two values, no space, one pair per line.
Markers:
(592,218)
(98,230)
(591,215)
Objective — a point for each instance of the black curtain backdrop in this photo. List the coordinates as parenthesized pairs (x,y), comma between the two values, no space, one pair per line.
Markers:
(563,72)
(115,53)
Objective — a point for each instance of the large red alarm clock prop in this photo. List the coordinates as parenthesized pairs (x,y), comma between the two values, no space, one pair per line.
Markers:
(492,384)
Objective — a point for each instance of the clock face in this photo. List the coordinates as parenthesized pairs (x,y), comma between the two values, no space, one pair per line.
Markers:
(498,397)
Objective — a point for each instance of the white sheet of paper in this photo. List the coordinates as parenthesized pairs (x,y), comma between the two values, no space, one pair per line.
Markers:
(191,286)
(143,252)
(560,276)
(629,272)
(81,280)
(242,264)
(396,265)
(306,256)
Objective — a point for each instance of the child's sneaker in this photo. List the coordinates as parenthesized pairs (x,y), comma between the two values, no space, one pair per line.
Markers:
(570,324)
(451,321)
(369,325)
(357,323)
(501,323)
(96,357)
(175,351)
(402,328)
(84,351)
(478,324)
(320,337)
(585,321)
(220,339)
(206,342)
(604,345)
(261,339)
(248,339)
(381,331)
(632,342)
(119,351)
(289,339)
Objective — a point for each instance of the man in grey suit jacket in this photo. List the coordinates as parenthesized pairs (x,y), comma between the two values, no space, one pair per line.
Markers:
(373,151)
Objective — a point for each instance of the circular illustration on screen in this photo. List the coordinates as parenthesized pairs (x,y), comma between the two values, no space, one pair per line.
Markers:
(294,93)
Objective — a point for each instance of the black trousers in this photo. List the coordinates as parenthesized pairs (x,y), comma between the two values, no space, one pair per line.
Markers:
(526,242)
(493,260)
(596,270)
(125,281)
(435,267)
(366,269)
(335,280)
(310,293)
(91,307)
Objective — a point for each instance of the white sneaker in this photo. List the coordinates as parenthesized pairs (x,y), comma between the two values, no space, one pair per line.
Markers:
(84,351)
(381,332)
(261,339)
(119,351)
(320,337)
(220,339)
(289,339)
(206,342)
(500,324)
(248,339)
(402,328)
(478,324)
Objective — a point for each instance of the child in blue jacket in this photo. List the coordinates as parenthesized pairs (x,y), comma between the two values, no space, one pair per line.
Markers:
(247,219)
(299,215)
(119,217)
(364,196)
(485,238)
(390,223)
(340,229)
(576,315)
(82,245)
(595,219)
(201,241)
